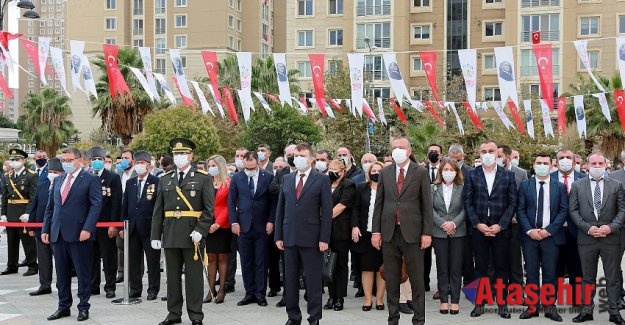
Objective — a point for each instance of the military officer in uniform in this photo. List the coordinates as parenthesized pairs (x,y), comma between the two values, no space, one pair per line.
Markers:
(19,188)
(183,212)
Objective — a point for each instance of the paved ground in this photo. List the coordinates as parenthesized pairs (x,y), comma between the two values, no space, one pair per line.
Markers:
(17,307)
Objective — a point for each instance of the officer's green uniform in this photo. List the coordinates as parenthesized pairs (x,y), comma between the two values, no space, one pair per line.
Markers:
(17,192)
(181,208)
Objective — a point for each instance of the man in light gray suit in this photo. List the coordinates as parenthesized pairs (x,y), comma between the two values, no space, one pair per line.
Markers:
(597,207)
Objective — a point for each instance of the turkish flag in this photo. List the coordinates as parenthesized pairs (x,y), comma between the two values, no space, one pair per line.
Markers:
(543,54)
(336,105)
(232,112)
(303,100)
(185,100)
(368,111)
(516,117)
(317,62)
(398,110)
(32,50)
(619,99)
(428,61)
(473,116)
(5,88)
(536,37)
(115,77)
(562,115)
(5,37)
(433,112)
(210,63)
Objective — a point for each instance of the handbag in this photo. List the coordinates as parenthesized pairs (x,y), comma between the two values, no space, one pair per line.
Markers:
(329,263)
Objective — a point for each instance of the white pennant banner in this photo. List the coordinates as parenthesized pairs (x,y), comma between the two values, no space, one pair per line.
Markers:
(176,60)
(580,115)
(505,74)
(452,106)
(244,59)
(529,117)
(76,55)
(200,95)
(165,87)
(216,101)
(356,77)
(44,49)
(603,102)
(56,54)
(381,111)
(262,101)
(544,110)
(468,64)
(282,72)
(87,75)
(146,58)
(144,82)
(582,51)
(394,76)
(502,116)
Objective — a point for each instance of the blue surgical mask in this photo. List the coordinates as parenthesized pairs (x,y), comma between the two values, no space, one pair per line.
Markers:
(97,165)
(118,168)
(125,164)
(69,167)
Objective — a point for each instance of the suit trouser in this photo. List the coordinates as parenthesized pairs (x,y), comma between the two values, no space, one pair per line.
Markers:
(273,264)
(468,265)
(119,242)
(105,249)
(427,266)
(139,246)
(193,279)
(253,251)
(569,261)
(516,260)
(14,236)
(338,287)
(232,262)
(589,255)
(449,252)
(541,254)
(493,250)
(309,260)
(78,255)
(392,253)
(44,257)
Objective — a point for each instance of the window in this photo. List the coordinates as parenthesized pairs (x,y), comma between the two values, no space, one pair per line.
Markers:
(621,24)
(137,42)
(304,7)
(181,21)
(421,32)
(160,44)
(238,45)
(493,28)
(137,7)
(420,3)
(110,40)
(159,67)
(305,38)
(160,6)
(417,64)
(265,13)
(421,94)
(230,21)
(137,27)
(374,68)
(110,24)
(336,37)
(265,50)
(492,93)
(181,3)
(231,41)
(589,26)
(304,69)
(547,24)
(373,7)
(593,60)
(538,3)
(376,92)
(183,60)
(238,24)
(336,7)
(528,62)
(239,5)
(42,31)
(159,26)
(265,32)
(489,61)
(335,66)
(378,33)
(490,2)
(181,41)
(111,4)
(30,30)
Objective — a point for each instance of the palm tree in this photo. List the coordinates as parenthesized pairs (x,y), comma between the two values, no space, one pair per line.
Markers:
(123,116)
(46,120)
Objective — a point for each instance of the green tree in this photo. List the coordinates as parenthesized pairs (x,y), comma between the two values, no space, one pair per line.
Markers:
(123,116)
(6,123)
(46,121)
(163,125)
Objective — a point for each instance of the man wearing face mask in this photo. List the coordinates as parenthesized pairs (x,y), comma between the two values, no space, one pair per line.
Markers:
(183,212)
(578,163)
(345,154)
(619,175)
(515,160)
(127,172)
(434,156)
(264,153)
(17,194)
(366,161)
(597,207)
(238,158)
(322,159)
(490,200)
(41,164)
(108,163)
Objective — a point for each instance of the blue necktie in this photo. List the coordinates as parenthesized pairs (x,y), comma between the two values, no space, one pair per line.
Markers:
(251,184)
(541,206)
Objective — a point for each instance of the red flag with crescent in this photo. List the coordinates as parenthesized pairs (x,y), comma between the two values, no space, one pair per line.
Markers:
(368,111)
(185,100)
(619,99)
(536,37)
(5,37)
(232,112)
(115,77)
(516,117)
(473,116)
(428,62)
(335,105)
(5,88)
(32,50)
(543,53)
(303,100)
(400,113)
(317,62)
(433,112)
(210,63)
(561,115)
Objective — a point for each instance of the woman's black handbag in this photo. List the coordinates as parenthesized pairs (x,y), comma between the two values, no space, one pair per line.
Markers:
(329,263)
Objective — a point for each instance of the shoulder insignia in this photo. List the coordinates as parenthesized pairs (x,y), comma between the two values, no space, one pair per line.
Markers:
(32,171)
(203,172)
(167,173)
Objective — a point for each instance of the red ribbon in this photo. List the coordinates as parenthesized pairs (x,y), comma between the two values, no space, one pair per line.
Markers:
(232,112)
(433,112)
(40,224)
(473,116)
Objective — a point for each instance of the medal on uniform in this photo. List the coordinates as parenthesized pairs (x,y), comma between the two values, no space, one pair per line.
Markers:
(108,191)
(177,214)
(149,191)
(22,188)
(103,190)
(192,193)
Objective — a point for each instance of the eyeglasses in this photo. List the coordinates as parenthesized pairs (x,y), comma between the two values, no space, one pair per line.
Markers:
(68,160)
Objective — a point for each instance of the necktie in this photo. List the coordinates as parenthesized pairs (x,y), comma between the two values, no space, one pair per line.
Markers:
(597,196)
(433,175)
(300,185)
(541,206)
(400,184)
(251,185)
(566,182)
(139,190)
(38,171)
(68,185)
(180,178)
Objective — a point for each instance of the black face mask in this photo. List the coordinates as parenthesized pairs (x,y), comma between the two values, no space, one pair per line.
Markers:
(333,176)
(291,161)
(374,177)
(433,156)
(41,162)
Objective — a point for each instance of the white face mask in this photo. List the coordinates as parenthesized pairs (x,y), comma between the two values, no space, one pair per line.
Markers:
(238,163)
(365,167)
(346,160)
(541,170)
(565,164)
(213,171)
(399,155)
(301,163)
(52,176)
(499,162)
(181,160)
(251,173)
(449,176)
(597,172)
(321,166)
(515,162)
(488,159)
(141,169)
(578,167)
(108,166)
(16,164)
(478,164)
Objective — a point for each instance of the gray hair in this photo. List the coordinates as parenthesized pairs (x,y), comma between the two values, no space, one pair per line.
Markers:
(77,153)
(456,148)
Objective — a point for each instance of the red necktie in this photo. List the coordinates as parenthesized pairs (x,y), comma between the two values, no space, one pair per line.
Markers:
(300,185)
(68,185)
(566,182)
(400,184)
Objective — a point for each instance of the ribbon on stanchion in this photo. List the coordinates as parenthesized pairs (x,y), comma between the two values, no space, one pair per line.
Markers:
(40,224)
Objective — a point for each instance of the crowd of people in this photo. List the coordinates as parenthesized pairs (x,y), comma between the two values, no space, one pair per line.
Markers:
(384,221)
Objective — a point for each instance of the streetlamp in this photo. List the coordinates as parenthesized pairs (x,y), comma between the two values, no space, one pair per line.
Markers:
(367,136)
(24,4)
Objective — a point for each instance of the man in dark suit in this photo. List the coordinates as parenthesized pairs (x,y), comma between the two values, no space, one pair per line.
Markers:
(70,224)
(251,208)
(619,175)
(183,211)
(303,226)
(435,153)
(137,208)
(343,153)
(41,164)
(264,155)
(44,251)
(490,199)
(543,207)
(104,247)
(402,219)
(597,206)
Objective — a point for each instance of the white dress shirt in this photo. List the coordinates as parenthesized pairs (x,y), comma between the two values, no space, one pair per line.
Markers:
(397,171)
(490,178)
(447,191)
(74,175)
(546,206)
(297,177)
(126,175)
(371,208)
(593,184)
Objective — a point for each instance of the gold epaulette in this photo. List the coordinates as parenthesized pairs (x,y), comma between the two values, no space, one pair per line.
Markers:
(32,171)
(201,171)
(167,173)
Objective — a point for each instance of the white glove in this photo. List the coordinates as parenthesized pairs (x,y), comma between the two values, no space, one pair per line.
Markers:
(195,236)
(156,244)
(24,217)
(3,218)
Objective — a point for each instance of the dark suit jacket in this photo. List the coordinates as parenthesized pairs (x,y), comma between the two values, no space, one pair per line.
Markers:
(455,213)
(353,172)
(139,214)
(269,167)
(276,184)
(612,211)
(248,210)
(571,227)
(39,205)
(80,211)
(111,187)
(501,202)
(520,175)
(307,221)
(414,204)
(465,169)
(558,204)
(344,193)
(44,173)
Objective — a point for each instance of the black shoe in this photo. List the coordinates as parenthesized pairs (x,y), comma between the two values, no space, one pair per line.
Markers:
(229,288)
(293,322)
(164,298)
(30,272)
(504,313)
(352,276)
(246,300)
(360,293)
(119,279)
(427,287)
(8,271)
(273,293)
(170,321)
(582,317)
(82,315)
(529,313)
(313,322)
(151,296)
(405,309)
(338,304)
(379,307)
(409,303)
(262,302)
(40,292)
(329,304)
(22,263)
(554,316)
(110,294)
(95,292)
(436,295)
(367,308)
(196,322)
(617,319)
(477,311)
(281,303)
(59,314)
